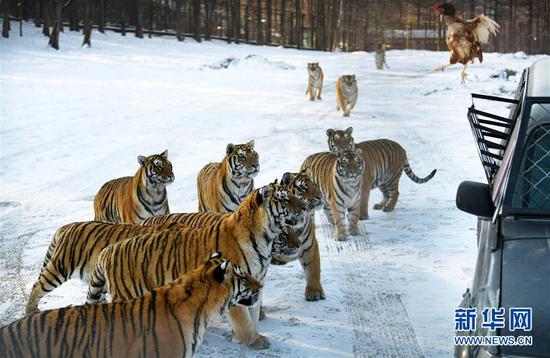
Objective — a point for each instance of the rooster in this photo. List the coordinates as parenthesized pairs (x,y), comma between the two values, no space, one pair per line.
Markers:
(464,37)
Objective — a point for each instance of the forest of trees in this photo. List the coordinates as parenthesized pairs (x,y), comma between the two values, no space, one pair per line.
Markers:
(347,25)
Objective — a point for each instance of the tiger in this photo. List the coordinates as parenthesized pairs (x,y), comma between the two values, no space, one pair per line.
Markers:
(74,249)
(130,200)
(339,177)
(132,267)
(346,94)
(168,321)
(223,186)
(385,161)
(314,81)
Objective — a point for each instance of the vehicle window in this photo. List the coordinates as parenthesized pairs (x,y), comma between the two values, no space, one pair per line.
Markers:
(532,189)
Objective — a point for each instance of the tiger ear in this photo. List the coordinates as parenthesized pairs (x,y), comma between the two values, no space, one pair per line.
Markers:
(164,154)
(251,144)
(216,255)
(349,130)
(219,272)
(359,151)
(287,178)
(330,132)
(353,76)
(230,148)
(263,194)
(142,160)
(307,171)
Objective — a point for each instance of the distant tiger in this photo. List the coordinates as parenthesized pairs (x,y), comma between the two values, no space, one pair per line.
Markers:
(385,161)
(74,249)
(314,81)
(132,267)
(338,175)
(346,94)
(169,321)
(130,200)
(223,186)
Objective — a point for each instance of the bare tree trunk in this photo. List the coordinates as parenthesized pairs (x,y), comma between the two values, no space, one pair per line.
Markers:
(247,21)
(45,9)
(269,21)
(54,37)
(73,16)
(298,30)
(210,5)
(530,26)
(338,30)
(122,14)
(6,27)
(236,10)
(101,16)
(87,30)
(197,20)
(229,24)
(180,36)
(282,30)
(259,27)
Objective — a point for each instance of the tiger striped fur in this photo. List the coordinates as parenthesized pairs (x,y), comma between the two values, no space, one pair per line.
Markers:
(223,186)
(346,94)
(338,175)
(314,81)
(169,321)
(130,268)
(130,200)
(74,249)
(385,161)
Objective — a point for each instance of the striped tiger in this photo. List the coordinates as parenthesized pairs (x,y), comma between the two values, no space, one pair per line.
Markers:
(346,94)
(169,321)
(74,249)
(223,186)
(385,161)
(132,267)
(302,185)
(339,177)
(314,81)
(130,200)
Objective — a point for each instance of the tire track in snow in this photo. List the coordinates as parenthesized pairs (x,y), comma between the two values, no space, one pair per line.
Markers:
(380,322)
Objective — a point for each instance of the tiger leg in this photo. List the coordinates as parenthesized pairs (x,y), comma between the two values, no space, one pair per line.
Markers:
(386,197)
(347,110)
(365,193)
(243,329)
(340,103)
(328,214)
(319,90)
(311,263)
(311,92)
(97,287)
(339,216)
(50,278)
(352,103)
(353,215)
(394,195)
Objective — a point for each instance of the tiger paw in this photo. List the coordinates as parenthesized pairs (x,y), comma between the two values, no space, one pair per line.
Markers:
(440,68)
(315,294)
(341,236)
(262,314)
(387,210)
(354,231)
(346,114)
(319,98)
(378,207)
(364,217)
(260,343)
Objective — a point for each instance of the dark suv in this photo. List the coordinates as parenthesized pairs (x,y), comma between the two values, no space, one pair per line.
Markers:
(513,209)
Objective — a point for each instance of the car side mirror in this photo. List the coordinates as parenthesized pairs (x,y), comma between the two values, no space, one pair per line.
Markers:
(475,198)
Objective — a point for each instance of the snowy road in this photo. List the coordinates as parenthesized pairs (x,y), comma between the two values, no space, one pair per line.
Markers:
(73,119)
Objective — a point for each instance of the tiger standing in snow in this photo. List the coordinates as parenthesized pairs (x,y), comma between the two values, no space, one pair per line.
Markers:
(223,186)
(385,161)
(314,81)
(169,321)
(130,200)
(346,94)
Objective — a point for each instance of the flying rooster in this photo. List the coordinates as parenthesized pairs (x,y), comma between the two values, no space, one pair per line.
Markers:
(464,37)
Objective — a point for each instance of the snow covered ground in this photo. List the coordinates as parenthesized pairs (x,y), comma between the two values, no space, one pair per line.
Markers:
(75,118)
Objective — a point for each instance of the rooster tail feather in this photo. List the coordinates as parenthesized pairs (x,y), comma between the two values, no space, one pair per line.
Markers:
(484,28)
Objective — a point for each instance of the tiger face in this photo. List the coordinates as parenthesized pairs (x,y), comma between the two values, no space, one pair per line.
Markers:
(350,163)
(158,168)
(349,81)
(340,140)
(243,160)
(286,248)
(312,67)
(245,289)
(303,187)
(282,207)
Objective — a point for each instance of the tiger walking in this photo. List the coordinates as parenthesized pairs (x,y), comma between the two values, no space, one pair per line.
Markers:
(385,161)
(223,186)
(169,321)
(339,176)
(346,94)
(314,81)
(130,200)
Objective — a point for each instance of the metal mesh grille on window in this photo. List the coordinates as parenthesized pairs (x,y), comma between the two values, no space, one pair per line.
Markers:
(533,185)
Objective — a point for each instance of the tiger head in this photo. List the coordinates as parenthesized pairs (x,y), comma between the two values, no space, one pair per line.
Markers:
(350,163)
(286,247)
(303,187)
(348,81)
(282,208)
(157,168)
(312,67)
(242,160)
(243,288)
(339,140)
